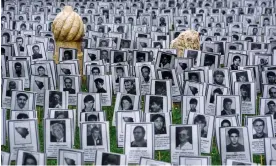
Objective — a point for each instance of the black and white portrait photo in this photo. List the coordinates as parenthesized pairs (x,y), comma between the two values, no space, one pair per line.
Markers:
(165,60)
(9,85)
(184,138)
(130,85)
(37,51)
(95,136)
(192,104)
(67,54)
(70,157)
(260,127)
(19,69)
(100,85)
(141,137)
(160,87)
(55,99)
(235,140)
(58,132)
(23,100)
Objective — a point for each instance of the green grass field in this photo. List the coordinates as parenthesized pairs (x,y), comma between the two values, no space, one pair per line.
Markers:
(159,155)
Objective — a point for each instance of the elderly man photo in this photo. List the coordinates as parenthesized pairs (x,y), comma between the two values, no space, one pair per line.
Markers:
(68,83)
(184,138)
(21,100)
(57,132)
(36,54)
(259,126)
(139,137)
(234,145)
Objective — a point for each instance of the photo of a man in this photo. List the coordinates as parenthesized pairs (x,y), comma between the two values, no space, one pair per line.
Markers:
(272,92)
(145,71)
(236,63)
(19,72)
(193,104)
(120,72)
(55,99)
(29,159)
(227,110)
(95,71)
(36,52)
(130,86)
(95,138)
(67,55)
(234,137)
(184,138)
(225,123)
(271,105)
(11,86)
(57,129)
(139,137)
(21,101)
(41,71)
(19,42)
(160,88)
(159,123)
(271,77)
(68,83)
(242,76)
(201,121)
(155,104)
(165,61)
(259,127)
(218,77)
(167,75)
(99,83)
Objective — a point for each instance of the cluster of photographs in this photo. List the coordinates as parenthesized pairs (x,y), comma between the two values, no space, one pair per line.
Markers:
(226,90)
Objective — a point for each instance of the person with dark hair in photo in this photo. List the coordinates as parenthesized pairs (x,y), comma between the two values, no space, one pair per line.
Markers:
(12,86)
(158,45)
(19,42)
(118,57)
(193,77)
(255,31)
(89,103)
(7,36)
(227,102)
(184,138)
(95,71)
(18,70)
(159,124)
(55,100)
(120,29)
(217,91)
(242,76)
(67,55)
(236,63)
(21,100)
(92,118)
(266,22)
(201,121)
(68,82)
(61,114)
(22,116)
(110,159)
(193,104)
(209,61)
(218,77)
(271,77)
(140,57)
(103,43)
(128,119)
(23,27)
(259,126)
(245,93)
(29,159)
(225,123)
(120,72)
(167,75)
(145,71)
(99,83)
(57,132)
(234,145)
(41,71)
(160,88)
(155,104)
(162,22)
(272,92)
(96,136)
(139,137)
(130,86)
(126,103)
(271,107)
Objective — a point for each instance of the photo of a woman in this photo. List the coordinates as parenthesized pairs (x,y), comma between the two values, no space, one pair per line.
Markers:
(126,103)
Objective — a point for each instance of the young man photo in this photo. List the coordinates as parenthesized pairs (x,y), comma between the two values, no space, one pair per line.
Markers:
(259,126)
(234,145)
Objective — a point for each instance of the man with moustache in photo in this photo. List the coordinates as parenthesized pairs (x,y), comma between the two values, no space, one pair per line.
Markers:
(218,77)
(139,137)
(130,86)
(21,100)
(68,86)
(36,54)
